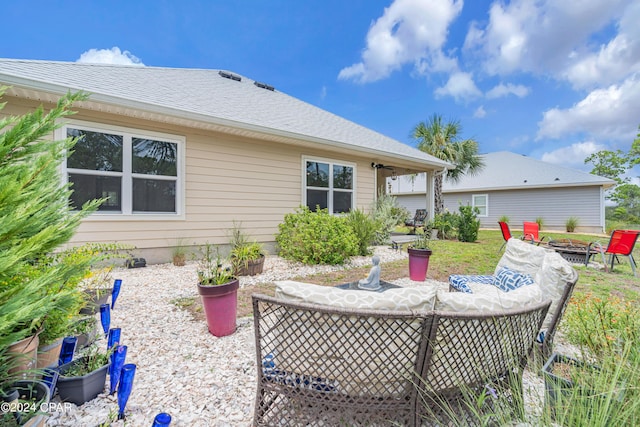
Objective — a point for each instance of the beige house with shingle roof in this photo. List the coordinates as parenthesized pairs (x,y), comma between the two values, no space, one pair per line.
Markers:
(523,189)
(182,153)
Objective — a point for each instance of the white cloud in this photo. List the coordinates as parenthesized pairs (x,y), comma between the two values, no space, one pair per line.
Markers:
(460,86)
(610,113)
(480,112)
(550,37)
(615,60)
(574,154)
(109,56)
(502,90)
(409,31)
(323,92)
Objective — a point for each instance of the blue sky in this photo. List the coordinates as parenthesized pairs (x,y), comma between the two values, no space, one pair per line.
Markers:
(553,79)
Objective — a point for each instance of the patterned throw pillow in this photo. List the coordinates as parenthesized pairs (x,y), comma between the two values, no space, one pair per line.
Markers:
(508,279)
(461,282)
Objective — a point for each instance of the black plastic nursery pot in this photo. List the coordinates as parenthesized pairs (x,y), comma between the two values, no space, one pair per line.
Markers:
(95,298)
(82,389)
(33,414)
(562,395)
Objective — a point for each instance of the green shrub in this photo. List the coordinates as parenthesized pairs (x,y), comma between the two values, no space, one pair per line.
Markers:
(446,223)
(540,222)
(468,224)
(365,228)
(504,218)
(387,214)
(316,237)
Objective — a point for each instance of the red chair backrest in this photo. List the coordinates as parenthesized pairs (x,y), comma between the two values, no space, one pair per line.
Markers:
(504,227)
(622,241)
(531,230)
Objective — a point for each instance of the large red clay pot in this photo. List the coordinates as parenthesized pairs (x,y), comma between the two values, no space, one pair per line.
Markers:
(220,305)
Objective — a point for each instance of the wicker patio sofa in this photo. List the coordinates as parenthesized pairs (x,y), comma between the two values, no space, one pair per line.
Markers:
(365,358)
(554,275)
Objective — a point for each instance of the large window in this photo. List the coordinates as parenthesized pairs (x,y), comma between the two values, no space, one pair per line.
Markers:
(481,201)
(329,186)
(135,173)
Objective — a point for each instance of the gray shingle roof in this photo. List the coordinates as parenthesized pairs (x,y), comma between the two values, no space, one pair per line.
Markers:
(506,170)
(205,95)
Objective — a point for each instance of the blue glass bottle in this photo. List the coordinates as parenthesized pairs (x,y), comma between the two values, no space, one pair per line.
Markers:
(115,370)
(115,292)
(105,317)
(67,349)
(114,337)
(124,387)
(162,420)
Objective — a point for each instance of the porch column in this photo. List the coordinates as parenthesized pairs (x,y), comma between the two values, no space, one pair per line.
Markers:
(429,194)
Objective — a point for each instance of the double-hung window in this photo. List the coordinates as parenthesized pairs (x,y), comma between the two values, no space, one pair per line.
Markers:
(329,185)
(136,173)
(481,201)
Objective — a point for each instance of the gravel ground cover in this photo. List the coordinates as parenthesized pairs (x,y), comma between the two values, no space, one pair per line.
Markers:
(199,379)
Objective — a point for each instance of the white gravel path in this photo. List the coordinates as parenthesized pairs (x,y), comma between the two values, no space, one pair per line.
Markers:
(199,379)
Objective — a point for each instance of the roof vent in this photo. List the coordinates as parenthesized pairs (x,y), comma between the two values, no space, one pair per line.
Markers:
(525,180)
(264,86)
(557,179)
(229,76)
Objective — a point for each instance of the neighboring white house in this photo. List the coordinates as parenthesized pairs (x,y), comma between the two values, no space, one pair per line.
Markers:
(520,188)
(181,154)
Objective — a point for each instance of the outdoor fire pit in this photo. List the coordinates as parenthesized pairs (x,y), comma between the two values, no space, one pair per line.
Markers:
(572,250)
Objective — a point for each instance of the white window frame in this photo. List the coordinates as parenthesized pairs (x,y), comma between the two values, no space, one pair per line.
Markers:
(127,175)
(330,190)
(486,205)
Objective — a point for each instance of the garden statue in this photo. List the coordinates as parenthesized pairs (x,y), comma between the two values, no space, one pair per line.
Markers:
(372,282)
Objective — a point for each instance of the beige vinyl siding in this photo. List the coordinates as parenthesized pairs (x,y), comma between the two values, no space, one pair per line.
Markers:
(227,178)
(554,205)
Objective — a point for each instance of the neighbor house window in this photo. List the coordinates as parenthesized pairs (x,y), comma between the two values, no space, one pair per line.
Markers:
(135,173)
(481,201)
(329,185)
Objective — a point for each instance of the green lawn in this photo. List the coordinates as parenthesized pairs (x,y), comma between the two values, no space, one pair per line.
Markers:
(481,257)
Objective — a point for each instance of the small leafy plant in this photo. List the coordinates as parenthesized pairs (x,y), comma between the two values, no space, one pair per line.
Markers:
(211,269)
(422,242)
(92,360)
(468,224)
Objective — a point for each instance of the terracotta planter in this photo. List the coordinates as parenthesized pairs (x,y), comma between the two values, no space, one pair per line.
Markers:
(82,389)
(48,355)
(29,390)
(418,263)
(220,305)
(95,298)
(24,353)
(251,268)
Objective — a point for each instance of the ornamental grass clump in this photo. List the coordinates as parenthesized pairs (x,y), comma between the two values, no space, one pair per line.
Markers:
(606,387)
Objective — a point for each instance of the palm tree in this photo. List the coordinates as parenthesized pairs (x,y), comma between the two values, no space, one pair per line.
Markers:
(442,140)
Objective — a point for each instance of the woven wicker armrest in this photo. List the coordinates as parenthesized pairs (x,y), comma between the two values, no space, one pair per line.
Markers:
(472,354)
(329,366)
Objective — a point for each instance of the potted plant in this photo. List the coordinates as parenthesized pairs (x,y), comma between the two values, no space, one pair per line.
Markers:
(83,378)
(575,389)
(179,254)
(85,329)
(247,257)
(96,288)
(419,253)
(218,288)
(248,260)
(28,396)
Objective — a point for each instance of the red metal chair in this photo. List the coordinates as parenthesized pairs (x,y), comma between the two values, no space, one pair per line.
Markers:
(531,232)
(506,233)
(620,243)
